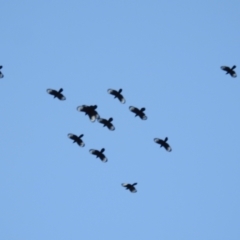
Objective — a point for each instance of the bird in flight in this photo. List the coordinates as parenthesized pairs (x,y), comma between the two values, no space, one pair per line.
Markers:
(229,70)
(163,143)
(90,111)
(99,154)
(107,123)
(130,187)
(77,139)
(138,112)
(1,75)
(117,94)
(57,94)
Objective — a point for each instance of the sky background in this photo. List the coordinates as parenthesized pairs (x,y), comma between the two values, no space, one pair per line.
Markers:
(166,56)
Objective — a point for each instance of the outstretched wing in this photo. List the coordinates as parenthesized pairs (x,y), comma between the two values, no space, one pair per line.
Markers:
(80,143)
(225,68)
(111,127)
(103,158)
(111,91)
(144,117)
(62,97)
(133,109)
(121,98)
(125,184)
(1,75)
(133,190)
(51,91)
(157,140)
(71,136)
(102,120)
(234,74)
(93,151)
(82,108)
(94,117)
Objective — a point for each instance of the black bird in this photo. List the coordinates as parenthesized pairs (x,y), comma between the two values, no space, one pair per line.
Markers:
(77,139)
(57,94)
(229,70)
(1,75)
(130,187)
(99,154)
(138,112)
(117,94)
(107,123)
(90,111)
(163,143)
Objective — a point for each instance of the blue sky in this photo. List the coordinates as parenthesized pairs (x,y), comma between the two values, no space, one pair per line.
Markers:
(166,56)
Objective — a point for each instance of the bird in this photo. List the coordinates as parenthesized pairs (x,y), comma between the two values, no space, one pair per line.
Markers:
(130,187)
(138,112)
(117,94)
(90,111)
(57,94)
(77,139)
(230,70)
(1,75)
(163,143)
(99,154)
(107,123)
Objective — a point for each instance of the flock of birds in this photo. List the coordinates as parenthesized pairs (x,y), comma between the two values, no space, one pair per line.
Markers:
(93,116)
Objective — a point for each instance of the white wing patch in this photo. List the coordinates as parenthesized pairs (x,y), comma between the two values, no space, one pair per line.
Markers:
(144,117)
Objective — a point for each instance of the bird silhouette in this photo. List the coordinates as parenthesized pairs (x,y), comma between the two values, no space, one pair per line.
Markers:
(1,75)
(57,94)
(107,123)
(77,139)
(117,94)
(99,154)
(229,70)
(163,143)
(138,112)
(90,111)
(130,187)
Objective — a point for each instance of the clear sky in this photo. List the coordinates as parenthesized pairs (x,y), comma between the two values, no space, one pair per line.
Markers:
(166,56)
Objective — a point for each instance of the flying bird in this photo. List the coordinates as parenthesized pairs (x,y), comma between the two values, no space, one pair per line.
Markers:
(107,123)
(99,154)
(57,94)
(77,139)
(130,187)
(138,112)
(163,143)
(229,70)
(117,94)
(1,75)
(90,111)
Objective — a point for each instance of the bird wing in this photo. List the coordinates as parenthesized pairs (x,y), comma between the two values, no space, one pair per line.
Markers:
(1,75)
(157,140)
(62,97)
(234,74)
(94,117)
(80,143)
(144,117)
(102,120)
(82,108)
(111,127)
(133,109)
(51,91)
(92,151)
(71,136)
(0,67)
(133,190)
(225,68)
(103,158)
(121,99)
(125,184)
(111,91)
